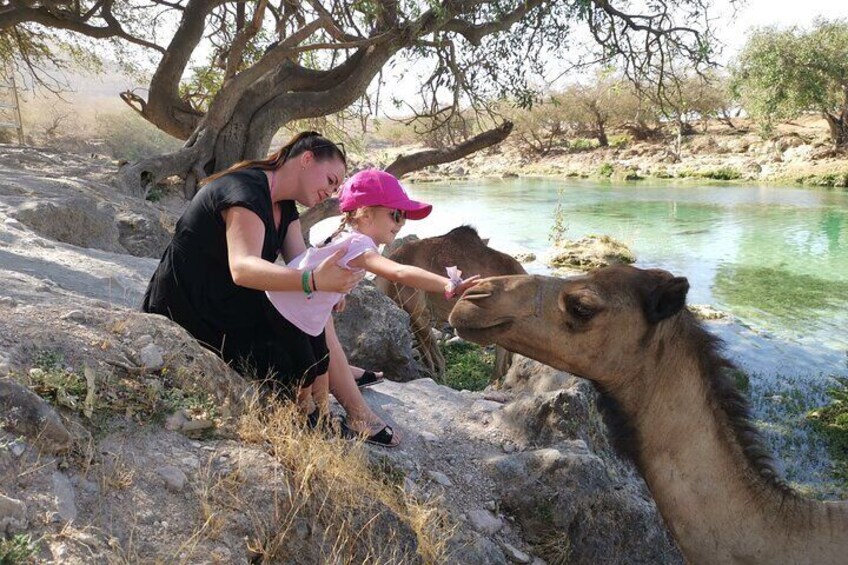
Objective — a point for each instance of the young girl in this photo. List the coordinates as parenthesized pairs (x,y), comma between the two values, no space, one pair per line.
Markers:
(375,208)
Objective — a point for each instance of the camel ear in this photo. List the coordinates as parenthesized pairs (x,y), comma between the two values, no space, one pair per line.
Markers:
(666,299)
(485,241)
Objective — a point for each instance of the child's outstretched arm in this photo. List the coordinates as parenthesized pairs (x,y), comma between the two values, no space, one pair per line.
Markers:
(409,275)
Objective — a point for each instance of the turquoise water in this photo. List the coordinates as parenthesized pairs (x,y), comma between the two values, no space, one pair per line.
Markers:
(774,257)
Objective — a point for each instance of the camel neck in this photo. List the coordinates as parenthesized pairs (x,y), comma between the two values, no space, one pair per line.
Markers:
(714,494)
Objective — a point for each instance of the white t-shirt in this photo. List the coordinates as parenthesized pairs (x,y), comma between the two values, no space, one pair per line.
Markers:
(310,315)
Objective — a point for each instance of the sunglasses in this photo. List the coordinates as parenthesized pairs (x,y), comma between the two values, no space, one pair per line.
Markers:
(398,215)
(339,145)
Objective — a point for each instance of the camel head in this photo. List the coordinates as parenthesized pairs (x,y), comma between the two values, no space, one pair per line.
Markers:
(595,326)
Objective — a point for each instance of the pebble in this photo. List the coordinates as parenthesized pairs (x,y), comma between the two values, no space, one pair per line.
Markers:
(74,316)
(175,421)
(496,396)
(508,447)
(515,555)
(12,223)
(439,478)
(174,478)
(429,436)
(151,357)
(8,301)
(485,522)
(17,448)
(143,341)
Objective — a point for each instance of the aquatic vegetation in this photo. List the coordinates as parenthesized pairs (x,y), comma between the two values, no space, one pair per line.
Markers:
(606,170)
(723,173)
(832,422)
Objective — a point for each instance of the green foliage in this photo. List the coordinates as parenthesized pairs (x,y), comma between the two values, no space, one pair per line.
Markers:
(832,422)
(724,173)
(781,73)
(606,170)
(17,550)
(467,366)
(839,180)
(619,141)
(131,137)
(582,144)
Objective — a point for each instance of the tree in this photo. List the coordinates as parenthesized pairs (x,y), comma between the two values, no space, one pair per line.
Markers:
(271,64)
(782,73)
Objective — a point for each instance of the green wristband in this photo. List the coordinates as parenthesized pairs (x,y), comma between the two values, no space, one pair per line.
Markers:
(304,280)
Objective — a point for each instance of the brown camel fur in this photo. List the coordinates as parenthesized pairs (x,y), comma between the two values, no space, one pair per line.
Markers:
(670,405)
(464,248)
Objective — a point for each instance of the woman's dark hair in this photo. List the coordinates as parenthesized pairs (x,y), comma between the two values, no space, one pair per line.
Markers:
(320,146)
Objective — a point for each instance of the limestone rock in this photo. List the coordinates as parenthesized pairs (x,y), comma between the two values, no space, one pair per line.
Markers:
(515,555)
(140,235)
(78,220)
(590,253)
(63,491)
(174,478)
(13,515)
(26,413)
(375,333)
(151,357)
(485,522)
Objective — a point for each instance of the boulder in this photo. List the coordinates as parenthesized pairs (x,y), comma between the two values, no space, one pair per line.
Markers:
(77,220)
(375,334)
(24,412)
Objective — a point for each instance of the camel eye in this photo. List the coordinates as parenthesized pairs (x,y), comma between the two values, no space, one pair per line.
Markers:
(581,311)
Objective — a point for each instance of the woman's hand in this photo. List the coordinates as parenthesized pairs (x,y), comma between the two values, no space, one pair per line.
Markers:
(330,277)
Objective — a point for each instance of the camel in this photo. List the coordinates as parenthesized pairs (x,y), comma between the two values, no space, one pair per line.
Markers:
(670,406)
(464,248)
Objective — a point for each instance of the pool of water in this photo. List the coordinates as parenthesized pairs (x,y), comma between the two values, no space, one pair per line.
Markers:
(776,258)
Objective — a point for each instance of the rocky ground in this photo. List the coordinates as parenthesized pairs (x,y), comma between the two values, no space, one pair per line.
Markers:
(125,441)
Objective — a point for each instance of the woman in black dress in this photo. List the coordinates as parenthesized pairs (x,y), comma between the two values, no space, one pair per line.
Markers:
(212,277)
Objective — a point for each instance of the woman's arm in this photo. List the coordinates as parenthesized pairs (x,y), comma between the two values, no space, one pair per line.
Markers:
(245,236)
(409,275)
(293,244)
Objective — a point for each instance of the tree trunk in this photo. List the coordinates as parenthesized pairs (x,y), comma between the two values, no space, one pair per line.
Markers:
(602,136)
(838,128)
(405,164)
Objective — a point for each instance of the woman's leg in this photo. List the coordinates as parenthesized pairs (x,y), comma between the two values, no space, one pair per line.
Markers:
(321,393)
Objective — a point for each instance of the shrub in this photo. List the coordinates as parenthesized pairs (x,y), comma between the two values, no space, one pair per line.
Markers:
(619,141)
(581,144)
(724,173)
(606,170)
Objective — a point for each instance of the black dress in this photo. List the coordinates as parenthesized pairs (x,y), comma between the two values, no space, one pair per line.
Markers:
(193,286)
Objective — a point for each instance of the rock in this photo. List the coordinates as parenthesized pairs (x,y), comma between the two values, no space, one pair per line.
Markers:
(590,253)
(196,426)
(569,491)
(514,554)
(439,478)
(74,316)
(174,478)
(17,448)
(485,522)
(479,551)
(486,406)
(429,436)
(151,357)
(63,490)
(23,412)
(142,236)
(375,333)
(176,421)
(13,516)
(525,257)
(78,220)
(8,301)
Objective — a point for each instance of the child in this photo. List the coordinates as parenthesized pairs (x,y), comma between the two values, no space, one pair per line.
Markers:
(375,208)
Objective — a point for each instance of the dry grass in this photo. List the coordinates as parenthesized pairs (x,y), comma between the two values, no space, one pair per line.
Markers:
(333,492)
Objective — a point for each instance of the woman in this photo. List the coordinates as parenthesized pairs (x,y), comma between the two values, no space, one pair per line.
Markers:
(212,277)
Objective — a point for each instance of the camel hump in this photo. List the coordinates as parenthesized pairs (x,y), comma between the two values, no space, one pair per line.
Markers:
(464,234)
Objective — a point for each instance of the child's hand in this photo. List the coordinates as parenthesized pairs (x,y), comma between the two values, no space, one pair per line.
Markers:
(454,289)
(466,284)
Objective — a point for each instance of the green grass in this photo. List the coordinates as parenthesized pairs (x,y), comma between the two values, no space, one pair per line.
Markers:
(724,173)
(17,550)
(832,422)
(467,366)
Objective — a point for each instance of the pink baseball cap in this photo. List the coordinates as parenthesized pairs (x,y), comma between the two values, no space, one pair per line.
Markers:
(379,188)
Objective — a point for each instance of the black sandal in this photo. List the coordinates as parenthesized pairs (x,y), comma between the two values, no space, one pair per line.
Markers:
(383,438)
(368,378)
